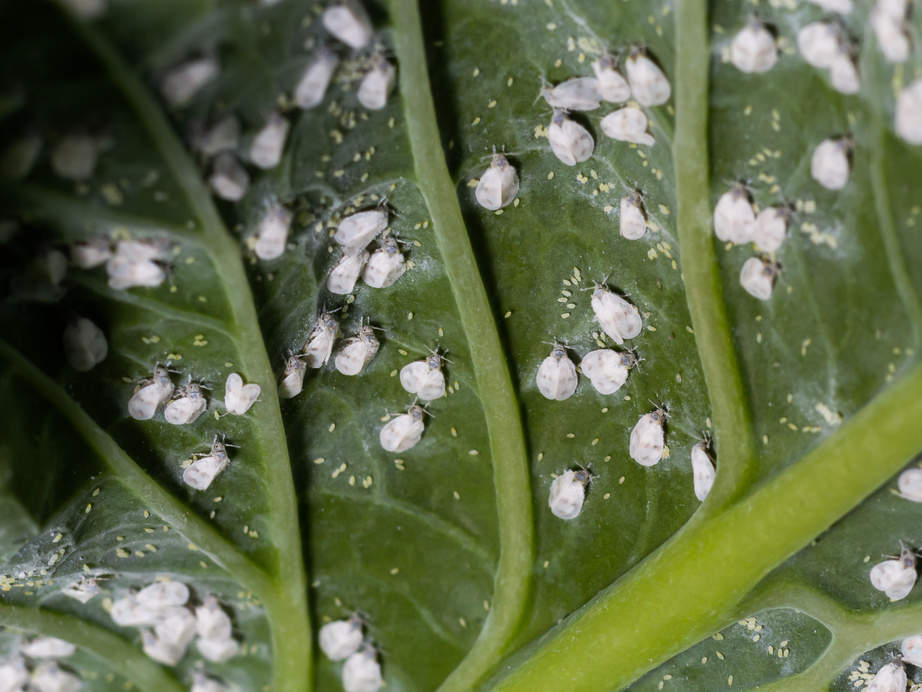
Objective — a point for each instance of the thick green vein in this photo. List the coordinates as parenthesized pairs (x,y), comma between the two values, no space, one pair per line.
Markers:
(122,657)
(501,410)
(287,605)
(700,270)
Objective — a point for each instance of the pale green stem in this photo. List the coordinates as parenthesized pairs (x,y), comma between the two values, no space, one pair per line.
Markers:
(511,480)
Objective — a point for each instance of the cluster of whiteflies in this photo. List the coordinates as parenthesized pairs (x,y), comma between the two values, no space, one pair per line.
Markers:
(35,668)
(345,640)
(129,263)
(169,624)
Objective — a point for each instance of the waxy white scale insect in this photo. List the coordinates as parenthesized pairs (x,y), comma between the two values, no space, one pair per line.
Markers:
(341,639)
(343,276)
(911,649)
(570,141)
(568,492)
(13,674)
(627,124)
(910,485)
(362,672)
(74,157)
(91,253)
(843,75)
(753,49)
(632,224)
(356,231)
(348,21)
(228,178)
(188,406)
(319,343)
(703,473)
(377,84)
(211,622)
(293,378)
(48,647)
(201,472)
(613,87)
(385,265)
(424,378)
(890,678)
(829,165)
(201,683)
(820,44)
(909,112)
(83,590)
(840,6)
(648,83)
(556,378)
(218,650)
(771,228)
(580,94)
(48,677)
(404,431)
(617,317)
(895,577)
(152,394)
(314,82)
(239,397)
(268,144)
(734,217)
(19,159)
(758,277)
(647,438)
(358,352)
(498,185)
(606,369)
(272,233)
(181,83)
(223,135)
(890,32)
(84,344)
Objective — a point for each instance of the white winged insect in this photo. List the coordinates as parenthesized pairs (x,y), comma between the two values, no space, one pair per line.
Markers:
(843,75)
(217,650)
(606,369)
(618,318)
(292,381)
(758,277)
(348,22)
(85,344)
(424,377)
(202,683)
(358,352)
(404,431)
(703,472)
(820,43)
(315,80)
(229,179)
(83,590)
(269,142)
(49,677)
(385,265)
(176,628)
(633,224)
(579,94)
(771,228)
(151,395)
(162,595)
(570,141)
(648,83)
(908,121)
(556,377)
(734,217)
(211,622)
(48,647)
(498,185)
(897,576)
(753,49)
(346,271)
(74,157)
(911,650)
(356,231)
(627,124)
(272,232)
(890,678)
(319,344)
(14,674)
(161,651)
(613,87)
(648,440)
(224,134)
(187,407)
(341,638)
(183,81)
(840,6)
(910,485)
(891,34)
(377,84)
(568,491)
(88,254)
(203,470)
(239,397)
(362,672)
(829,165)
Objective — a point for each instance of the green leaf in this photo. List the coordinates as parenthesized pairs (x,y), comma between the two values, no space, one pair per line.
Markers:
(465,578)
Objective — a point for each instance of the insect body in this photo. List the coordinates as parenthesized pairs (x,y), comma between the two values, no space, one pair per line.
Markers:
(568,491)
(424,378)
(498,185)
(385,265)
(895,577)
(607,369)
(357,352)
(187,407)
(201,472)
(152,394)
(404,431)
(648,439)
(628,124)
(341,639)
(617,317)
(570,141)
(319,343)
(556,378)
(84,344)
(239,397)
(703,472)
